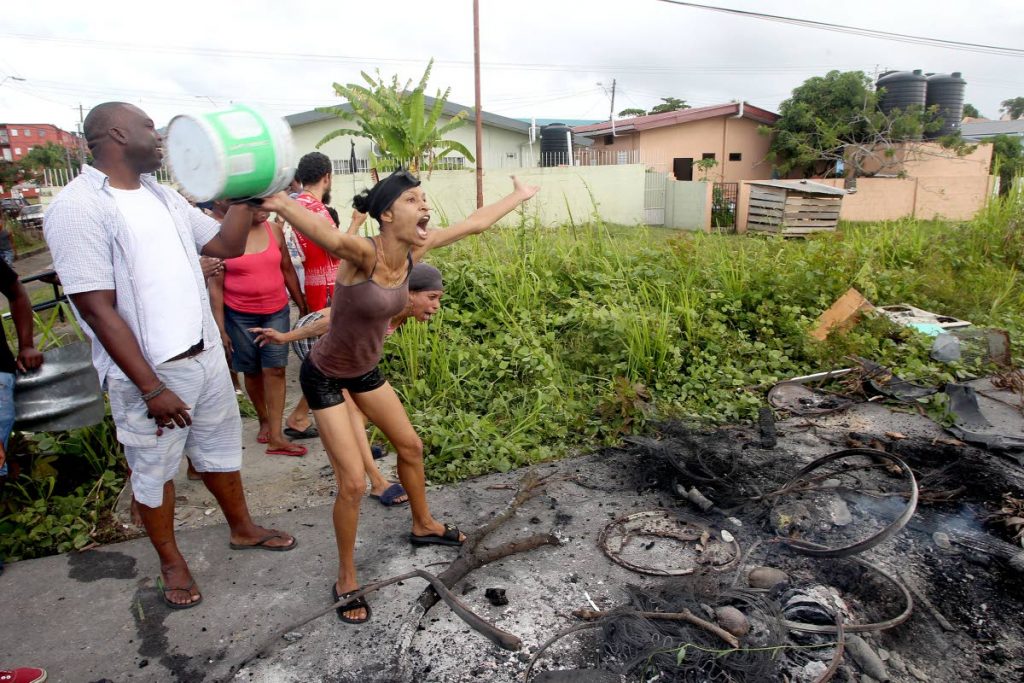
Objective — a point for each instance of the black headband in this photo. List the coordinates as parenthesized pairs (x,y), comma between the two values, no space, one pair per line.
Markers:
(379,199)
(425,278)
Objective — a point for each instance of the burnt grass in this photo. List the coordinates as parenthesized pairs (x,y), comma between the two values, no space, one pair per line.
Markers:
(969,582)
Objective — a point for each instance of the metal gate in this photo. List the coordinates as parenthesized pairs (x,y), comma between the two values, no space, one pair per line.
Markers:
(654,197)
(723,206)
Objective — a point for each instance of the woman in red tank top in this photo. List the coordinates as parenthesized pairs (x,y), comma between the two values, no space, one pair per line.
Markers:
(252,292)
(373,280)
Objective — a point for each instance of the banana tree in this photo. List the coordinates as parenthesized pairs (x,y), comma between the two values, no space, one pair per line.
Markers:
(399,120)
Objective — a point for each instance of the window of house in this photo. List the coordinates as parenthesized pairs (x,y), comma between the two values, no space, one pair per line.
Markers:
(708,155)
(609,139)
(450,163)
(14,132)
(42,133)
(342,166)
(623,157)
(735,156)
(27,133)
(17,150)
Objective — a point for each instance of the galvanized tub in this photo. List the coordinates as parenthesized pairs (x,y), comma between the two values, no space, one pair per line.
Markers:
(63,394)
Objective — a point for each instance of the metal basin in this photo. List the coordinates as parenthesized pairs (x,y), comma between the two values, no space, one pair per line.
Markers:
(63,394)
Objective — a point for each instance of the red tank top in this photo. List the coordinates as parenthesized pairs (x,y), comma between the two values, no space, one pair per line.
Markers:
(360,314)
(254,283)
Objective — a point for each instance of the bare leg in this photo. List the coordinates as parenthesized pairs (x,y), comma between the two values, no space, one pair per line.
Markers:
(226,487)
(298,419)
(274,388)
(254,386)
(378,484)
(385,410)
(159,523)
(341,445)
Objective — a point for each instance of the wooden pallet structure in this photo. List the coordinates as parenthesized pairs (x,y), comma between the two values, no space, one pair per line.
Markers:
(793,208)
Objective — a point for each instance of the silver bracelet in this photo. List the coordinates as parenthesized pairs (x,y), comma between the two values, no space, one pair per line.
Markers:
(156,392)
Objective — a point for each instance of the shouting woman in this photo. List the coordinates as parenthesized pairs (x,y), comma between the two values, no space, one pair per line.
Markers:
(373,287)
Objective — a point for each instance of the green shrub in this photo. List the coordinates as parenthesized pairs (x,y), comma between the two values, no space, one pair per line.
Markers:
(557,339)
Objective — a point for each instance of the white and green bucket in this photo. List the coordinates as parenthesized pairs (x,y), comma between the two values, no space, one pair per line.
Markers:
(238,153)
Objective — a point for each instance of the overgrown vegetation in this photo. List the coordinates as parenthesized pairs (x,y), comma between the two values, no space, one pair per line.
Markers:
(552,339)
(61,488)
(558,339)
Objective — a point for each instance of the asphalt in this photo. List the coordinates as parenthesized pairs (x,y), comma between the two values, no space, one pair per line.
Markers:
(97,615)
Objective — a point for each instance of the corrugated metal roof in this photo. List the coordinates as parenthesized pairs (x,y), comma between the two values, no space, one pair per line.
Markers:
(450,108)
(808,186)
(987,129)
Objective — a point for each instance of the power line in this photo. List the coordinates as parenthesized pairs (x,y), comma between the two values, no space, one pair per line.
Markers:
(715,68)
(867,32)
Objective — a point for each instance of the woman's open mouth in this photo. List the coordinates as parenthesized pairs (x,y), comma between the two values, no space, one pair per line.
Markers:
(421,227)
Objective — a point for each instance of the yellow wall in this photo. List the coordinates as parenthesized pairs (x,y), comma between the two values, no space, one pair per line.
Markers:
(615,193)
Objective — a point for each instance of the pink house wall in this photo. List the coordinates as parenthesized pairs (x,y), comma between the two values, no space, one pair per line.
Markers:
(719,136)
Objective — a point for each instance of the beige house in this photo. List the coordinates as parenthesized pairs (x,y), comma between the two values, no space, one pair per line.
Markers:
(506,142)
(677,141)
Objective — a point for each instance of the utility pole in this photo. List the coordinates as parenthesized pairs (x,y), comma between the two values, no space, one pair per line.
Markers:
(479,121)
(611,113)
(81,135)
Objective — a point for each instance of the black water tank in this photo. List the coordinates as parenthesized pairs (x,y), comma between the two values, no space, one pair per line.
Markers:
(947,91)
(555,149)
(902,90)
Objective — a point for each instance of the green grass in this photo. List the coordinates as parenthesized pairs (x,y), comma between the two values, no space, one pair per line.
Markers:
(555,339)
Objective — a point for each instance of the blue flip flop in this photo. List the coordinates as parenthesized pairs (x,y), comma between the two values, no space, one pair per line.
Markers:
(387,498)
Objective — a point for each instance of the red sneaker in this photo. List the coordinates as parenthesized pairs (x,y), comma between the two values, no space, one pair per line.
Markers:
(28,674)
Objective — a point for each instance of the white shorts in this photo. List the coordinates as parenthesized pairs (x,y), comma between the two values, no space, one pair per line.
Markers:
(214,440)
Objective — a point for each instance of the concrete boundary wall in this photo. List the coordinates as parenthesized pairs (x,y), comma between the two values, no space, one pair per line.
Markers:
(615,193)
(688,205)
(954,198)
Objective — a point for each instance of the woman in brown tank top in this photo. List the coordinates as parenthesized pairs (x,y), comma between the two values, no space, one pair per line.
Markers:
(372,286)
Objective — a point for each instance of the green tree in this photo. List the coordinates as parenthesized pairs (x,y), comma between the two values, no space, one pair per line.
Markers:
(632,111)
(835,118)
(1007,160)
(10,173)
(970,111)
(50,155)
(1014,107)
(399,121)
(669,104)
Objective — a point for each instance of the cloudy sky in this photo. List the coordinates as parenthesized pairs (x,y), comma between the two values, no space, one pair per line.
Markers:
(541,58)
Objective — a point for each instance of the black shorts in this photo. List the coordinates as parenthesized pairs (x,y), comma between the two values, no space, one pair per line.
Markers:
(322,391)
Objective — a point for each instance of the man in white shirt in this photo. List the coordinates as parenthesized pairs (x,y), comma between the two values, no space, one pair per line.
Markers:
(127,251)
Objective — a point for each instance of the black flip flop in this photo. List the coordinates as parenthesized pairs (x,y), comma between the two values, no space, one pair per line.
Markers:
(355,604)
(387,497)
(449,537)
(310,432)
(262,544)
(178,605)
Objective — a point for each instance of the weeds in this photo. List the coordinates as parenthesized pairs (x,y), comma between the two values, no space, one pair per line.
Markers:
(554,339)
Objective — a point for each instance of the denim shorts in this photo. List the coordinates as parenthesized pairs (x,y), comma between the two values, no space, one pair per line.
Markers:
(322,391)
(246,356)
(6,411)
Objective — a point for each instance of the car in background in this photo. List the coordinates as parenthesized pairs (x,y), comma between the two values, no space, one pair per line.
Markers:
(12,206)
(31,216)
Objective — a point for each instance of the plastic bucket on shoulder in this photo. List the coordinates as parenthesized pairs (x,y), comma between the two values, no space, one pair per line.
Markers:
(64,393)
(237,153)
